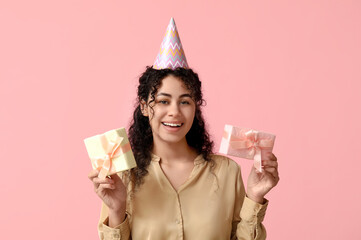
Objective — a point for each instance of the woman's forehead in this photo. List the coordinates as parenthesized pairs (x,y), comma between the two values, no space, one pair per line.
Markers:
(173,86)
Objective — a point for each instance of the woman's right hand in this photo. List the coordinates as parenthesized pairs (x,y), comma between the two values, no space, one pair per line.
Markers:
(111,190)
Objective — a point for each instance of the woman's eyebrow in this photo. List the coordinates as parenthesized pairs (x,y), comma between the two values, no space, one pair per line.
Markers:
(169,95)
(185,95)
(164,94)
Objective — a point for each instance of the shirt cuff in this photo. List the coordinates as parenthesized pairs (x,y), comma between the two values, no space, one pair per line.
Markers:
(121,231)
(252,211)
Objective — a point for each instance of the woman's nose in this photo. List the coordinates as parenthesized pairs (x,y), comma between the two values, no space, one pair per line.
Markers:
(173,109)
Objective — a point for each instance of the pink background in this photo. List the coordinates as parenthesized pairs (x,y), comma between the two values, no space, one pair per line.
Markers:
(68,70)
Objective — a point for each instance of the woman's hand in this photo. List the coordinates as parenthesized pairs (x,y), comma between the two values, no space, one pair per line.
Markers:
(259,184)
(113,193)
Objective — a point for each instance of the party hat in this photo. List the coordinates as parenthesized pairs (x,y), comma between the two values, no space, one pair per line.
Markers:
(171,54)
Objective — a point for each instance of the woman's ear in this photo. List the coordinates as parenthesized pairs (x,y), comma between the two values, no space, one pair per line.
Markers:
(143,108)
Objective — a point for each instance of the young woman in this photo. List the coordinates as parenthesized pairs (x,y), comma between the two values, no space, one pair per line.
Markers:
(180,190)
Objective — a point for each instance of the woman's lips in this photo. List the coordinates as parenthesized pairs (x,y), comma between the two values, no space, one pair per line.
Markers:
(172,127)
(172,124)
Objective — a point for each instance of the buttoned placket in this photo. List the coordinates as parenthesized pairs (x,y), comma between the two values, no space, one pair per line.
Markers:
(179,218)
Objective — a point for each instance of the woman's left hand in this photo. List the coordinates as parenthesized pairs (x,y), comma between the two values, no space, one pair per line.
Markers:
(260,183)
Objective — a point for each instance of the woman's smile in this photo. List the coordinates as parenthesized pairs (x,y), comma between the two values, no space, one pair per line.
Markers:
(172,127)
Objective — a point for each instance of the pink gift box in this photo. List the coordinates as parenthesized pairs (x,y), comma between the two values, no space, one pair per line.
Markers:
(247,143)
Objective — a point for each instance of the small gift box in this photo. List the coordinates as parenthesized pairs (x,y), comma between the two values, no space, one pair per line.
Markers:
(111,152)
(247,143)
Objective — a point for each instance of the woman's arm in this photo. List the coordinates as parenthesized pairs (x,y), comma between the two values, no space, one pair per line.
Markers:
(250,226)
(248,215)
(120,231)
(254,205)
(113,223)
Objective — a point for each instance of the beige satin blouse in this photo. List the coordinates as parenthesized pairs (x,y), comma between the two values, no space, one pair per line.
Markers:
(211,204)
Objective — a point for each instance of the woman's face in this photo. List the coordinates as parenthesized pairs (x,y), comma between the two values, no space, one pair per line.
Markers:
(173,111)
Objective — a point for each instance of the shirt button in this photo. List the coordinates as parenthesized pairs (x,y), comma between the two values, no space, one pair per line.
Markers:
(177,221)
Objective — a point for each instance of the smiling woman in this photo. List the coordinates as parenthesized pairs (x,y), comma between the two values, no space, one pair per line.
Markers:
(179,189)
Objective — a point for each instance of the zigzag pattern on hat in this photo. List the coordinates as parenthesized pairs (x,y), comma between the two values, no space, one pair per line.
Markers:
(171,54)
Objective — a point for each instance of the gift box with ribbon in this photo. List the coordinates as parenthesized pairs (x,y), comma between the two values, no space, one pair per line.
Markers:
(247,143)
(110,152)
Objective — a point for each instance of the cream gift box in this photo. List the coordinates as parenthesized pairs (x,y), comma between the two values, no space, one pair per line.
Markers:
(111,152)
(247,143)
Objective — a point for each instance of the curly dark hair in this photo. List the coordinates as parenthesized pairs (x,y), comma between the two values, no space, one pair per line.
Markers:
(140,132)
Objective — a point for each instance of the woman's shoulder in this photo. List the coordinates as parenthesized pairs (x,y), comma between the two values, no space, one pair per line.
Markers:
(224,162)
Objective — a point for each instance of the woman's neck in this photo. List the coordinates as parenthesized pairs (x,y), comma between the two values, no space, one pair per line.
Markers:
(179,151)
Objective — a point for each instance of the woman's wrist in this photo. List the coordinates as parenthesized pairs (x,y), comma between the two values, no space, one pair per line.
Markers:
(257,199)
(116,216)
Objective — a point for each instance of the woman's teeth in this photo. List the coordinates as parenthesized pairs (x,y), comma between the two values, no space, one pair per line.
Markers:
(172,124)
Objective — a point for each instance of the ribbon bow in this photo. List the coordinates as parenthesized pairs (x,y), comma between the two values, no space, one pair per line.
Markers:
(253,144)
(112,149)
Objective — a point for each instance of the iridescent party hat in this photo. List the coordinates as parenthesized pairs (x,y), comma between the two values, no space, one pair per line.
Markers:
(171,54)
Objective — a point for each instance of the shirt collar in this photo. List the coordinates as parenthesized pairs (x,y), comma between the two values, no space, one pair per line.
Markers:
(198,160)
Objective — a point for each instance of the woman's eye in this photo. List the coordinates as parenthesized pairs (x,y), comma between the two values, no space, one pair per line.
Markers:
(163,102)
(184,102)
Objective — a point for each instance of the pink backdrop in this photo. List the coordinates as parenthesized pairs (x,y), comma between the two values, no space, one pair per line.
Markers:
(68,70)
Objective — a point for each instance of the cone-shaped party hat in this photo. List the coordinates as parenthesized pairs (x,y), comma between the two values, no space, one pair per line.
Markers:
(171,54)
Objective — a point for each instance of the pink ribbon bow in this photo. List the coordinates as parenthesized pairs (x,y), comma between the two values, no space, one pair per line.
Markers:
(253,144)
(112,149)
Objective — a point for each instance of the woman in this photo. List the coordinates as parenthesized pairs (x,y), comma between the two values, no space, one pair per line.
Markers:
(180,190)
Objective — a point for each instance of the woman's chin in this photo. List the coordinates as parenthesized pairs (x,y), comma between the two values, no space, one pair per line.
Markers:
(172,138)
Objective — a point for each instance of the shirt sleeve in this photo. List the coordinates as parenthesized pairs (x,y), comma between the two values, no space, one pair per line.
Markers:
(252,214)
(248,215)
(120,232)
